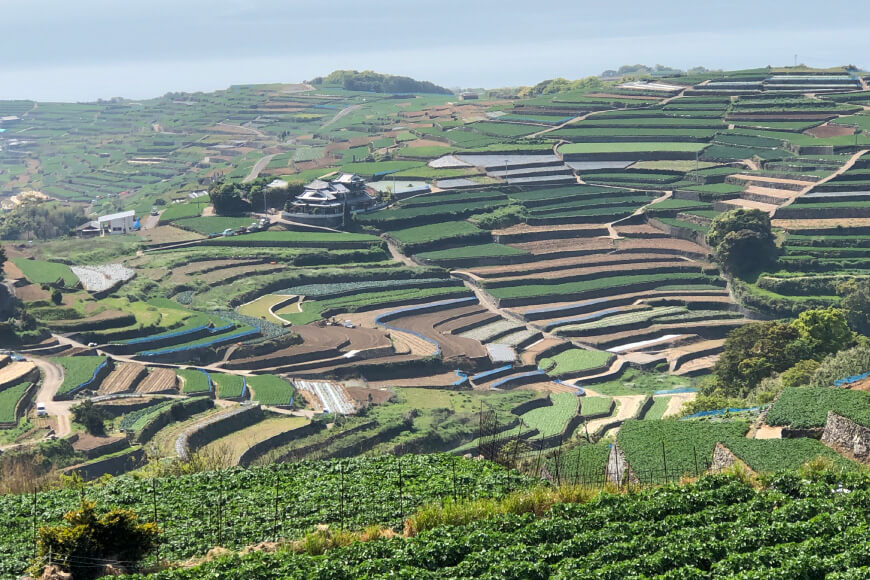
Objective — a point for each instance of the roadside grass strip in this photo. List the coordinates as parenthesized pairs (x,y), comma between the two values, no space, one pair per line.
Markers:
(270,390)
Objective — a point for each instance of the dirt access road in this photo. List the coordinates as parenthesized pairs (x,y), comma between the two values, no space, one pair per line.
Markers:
(258,167)
(52,378)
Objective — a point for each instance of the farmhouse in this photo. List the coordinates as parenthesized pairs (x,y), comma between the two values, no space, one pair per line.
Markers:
(325,202)
(116,223)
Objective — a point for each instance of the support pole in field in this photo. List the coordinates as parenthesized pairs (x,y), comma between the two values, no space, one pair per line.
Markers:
(220,508)
(341,497)
(401,487)
(34,521)
(154,506)
(453,466)
(664,461)
(275,520)
(695,453)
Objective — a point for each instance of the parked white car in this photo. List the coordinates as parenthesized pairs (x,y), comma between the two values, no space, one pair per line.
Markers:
(40,410)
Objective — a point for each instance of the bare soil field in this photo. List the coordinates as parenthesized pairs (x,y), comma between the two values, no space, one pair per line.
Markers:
(88,442)
(443,380)
(124,378)
(524,228)
(14,372)
(12,271)
(821,223)
(31,292)
(639,231)
(826,130)
(451,346)
(562,264)
(635,268)
(374,395)
(544,247)
(168,234)
(670,245)
(158,381)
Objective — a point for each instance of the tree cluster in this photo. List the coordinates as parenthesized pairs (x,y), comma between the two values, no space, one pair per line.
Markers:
(41,220)
(758,351)
(236,198)
(742,241)
(372,82)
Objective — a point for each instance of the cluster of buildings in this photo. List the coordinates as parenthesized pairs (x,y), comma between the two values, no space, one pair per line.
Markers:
(327,202)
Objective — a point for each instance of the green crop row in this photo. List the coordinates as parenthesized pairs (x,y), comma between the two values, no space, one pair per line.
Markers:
(574,360)
(552,419)
(808,407)
(270,390)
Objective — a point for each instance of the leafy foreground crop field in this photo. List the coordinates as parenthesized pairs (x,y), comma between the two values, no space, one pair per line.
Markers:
(718,527)
(376,490)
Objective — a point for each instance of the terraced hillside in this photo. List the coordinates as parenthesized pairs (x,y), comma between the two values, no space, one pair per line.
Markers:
(545,250)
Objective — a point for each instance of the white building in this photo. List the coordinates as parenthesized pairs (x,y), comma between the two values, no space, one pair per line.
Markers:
(116,223)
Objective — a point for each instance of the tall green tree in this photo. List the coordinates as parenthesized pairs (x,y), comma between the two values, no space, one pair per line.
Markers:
(742,241)
(856,303)
(825,329)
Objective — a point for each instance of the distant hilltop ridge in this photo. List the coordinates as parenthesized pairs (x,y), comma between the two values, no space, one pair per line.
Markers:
(373,82)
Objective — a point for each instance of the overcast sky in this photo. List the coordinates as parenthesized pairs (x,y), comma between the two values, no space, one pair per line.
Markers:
(88,49)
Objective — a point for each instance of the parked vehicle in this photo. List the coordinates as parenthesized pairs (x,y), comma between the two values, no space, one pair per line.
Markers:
(41,410)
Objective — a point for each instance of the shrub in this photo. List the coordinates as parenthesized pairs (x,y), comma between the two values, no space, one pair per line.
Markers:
(87,539)
(90,416)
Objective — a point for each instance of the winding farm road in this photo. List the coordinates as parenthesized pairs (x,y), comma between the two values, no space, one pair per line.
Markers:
(258,167)
(340,114)
(52,378)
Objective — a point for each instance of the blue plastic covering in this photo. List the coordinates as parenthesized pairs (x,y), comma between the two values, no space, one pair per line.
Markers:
(463,378)
(216,341)
(850,380)
(90,381)
(514,378)
(489,373)
(176,333)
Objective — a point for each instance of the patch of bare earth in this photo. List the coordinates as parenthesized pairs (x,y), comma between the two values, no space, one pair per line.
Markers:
(826,130)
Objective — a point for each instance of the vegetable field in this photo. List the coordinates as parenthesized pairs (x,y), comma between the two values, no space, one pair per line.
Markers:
(666,450)
(309,493)
(77,370)
(270,390)
(717,527)
(551,420)
(807,407)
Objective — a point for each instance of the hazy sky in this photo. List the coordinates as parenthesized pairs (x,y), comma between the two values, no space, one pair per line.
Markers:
(86,49)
